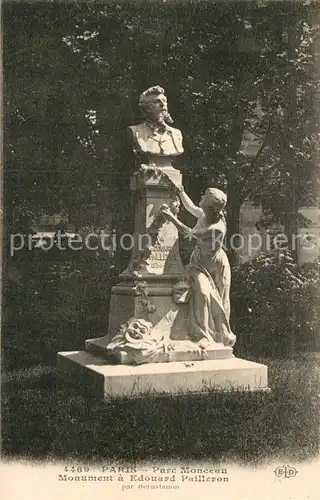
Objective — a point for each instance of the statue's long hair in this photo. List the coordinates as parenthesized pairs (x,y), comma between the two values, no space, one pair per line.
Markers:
(213,215)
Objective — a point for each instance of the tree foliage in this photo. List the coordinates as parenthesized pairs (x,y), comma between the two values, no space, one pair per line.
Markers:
(233,72)
(278,304)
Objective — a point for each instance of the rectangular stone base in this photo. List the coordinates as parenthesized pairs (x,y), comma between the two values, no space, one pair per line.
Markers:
(103,380)
(183,351)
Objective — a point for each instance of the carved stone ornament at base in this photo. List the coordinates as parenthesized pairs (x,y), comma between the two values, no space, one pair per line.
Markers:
(135,344)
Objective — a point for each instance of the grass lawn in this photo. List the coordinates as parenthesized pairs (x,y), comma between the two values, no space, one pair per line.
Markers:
(44,417)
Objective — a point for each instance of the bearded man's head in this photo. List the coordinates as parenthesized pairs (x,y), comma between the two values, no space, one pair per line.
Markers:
(154,105)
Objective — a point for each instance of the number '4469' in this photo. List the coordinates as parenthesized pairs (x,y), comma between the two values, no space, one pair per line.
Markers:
(76,469)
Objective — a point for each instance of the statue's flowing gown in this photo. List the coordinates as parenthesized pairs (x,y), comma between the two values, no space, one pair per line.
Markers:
(210,278)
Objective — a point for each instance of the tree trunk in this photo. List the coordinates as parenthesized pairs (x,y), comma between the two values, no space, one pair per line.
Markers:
(234,239)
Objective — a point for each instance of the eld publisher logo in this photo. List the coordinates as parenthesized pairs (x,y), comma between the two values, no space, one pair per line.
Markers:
(285,472)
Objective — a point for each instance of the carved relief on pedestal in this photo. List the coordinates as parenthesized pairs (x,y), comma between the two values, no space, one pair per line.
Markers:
(159,239)
(135,341)
(135,344)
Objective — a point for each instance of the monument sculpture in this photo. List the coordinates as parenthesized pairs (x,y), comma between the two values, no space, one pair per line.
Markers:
(155,136)
(168,325)
(209,269)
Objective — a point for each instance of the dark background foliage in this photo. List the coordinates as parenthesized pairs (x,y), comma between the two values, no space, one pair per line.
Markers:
(276,307)
(73,74)
(216,60)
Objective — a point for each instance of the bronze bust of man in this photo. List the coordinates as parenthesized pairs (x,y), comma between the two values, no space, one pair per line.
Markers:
(155,136)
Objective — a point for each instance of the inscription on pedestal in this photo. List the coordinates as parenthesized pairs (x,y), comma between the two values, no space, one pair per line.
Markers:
(158,259)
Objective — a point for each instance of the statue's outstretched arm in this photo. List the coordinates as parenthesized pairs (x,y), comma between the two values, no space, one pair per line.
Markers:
(209,232)
(182,228)
(200,233)
(188,203)
(169,216)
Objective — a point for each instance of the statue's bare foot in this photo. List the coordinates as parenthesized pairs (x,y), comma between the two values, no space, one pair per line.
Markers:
(203,343)
(232,340)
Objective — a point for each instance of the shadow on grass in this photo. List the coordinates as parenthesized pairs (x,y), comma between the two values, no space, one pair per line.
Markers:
(44,417)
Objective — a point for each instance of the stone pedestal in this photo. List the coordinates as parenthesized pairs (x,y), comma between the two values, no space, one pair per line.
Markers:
(155,259)
(95,377)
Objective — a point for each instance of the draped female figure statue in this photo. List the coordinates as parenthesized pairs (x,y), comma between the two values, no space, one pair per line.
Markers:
(209,270)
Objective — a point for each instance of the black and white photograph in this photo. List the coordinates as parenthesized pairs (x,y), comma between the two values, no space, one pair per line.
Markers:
(161,249)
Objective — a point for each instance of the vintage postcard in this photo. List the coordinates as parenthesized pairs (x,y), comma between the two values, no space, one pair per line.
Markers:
(161,249)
